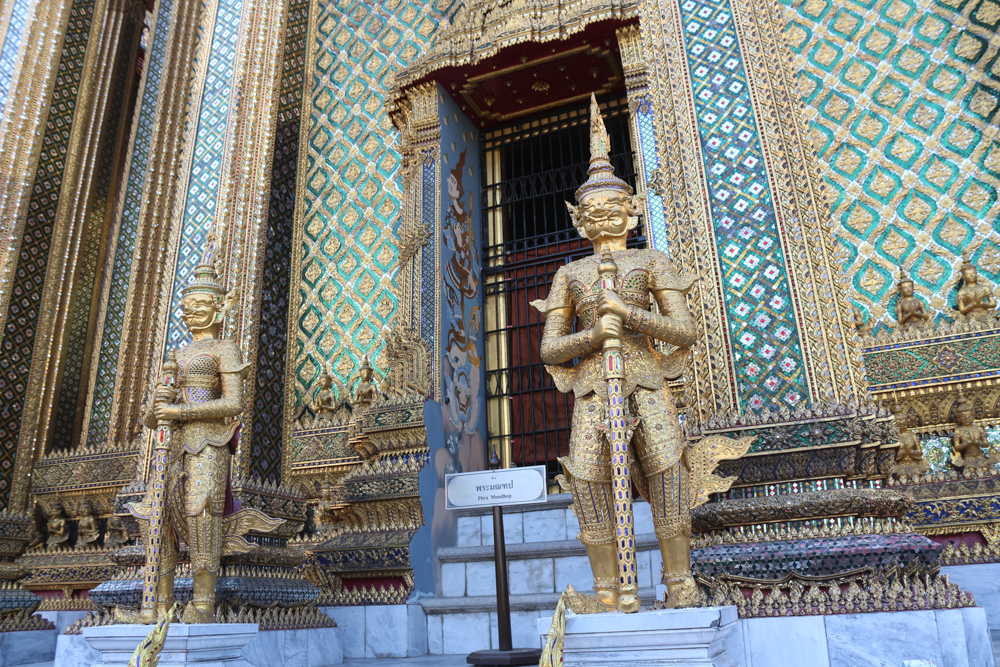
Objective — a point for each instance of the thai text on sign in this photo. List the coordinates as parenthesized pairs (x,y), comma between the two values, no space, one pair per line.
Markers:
(509,486)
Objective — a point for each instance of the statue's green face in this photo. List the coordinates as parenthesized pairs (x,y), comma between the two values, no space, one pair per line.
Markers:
(200,311)
(604,214)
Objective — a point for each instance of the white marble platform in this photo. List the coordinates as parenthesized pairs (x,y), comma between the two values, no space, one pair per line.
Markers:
(650,638)
(27,648)
(381,631)
(543,553)
(942,638)
(983,581)
(213,645)
(205,645)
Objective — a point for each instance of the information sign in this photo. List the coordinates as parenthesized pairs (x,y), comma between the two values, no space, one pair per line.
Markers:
(486,488)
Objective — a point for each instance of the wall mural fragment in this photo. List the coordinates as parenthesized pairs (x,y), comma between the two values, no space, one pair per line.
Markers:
(902,96)
(462,366)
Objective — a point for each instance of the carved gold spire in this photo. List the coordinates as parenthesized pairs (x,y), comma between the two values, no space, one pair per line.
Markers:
(206,275)
(601,175)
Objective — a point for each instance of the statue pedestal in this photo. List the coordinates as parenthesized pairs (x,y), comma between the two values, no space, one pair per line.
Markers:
(675,637)
(204,645)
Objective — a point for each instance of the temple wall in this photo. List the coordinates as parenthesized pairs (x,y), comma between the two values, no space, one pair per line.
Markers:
(23,332)
(902,98)
(350,202)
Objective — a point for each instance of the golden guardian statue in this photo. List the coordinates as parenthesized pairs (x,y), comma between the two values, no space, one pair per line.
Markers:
(195,412)
(625,426)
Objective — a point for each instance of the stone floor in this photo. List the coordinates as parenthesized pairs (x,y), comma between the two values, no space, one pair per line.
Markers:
(422,661)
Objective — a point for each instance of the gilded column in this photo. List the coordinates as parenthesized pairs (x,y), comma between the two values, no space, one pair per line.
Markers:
(118,380)
(420,229)
(262,453)
(218,185)
(45,210)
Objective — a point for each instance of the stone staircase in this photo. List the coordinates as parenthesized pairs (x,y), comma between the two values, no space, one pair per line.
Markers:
(543,557)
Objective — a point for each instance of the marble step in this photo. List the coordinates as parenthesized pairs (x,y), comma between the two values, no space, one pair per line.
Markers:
(539,522)
(466,624)
(525,602)
(534,568)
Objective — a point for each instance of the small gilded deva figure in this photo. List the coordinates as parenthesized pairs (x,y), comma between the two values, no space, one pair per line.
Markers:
(364,392)
(56,526)
(621,379)
(88,532)
(969,440)
(203,408)
(910,456)
(975,301)
(326,399)
(911,313)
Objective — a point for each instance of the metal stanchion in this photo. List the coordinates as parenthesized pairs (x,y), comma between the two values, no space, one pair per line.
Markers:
(505,654)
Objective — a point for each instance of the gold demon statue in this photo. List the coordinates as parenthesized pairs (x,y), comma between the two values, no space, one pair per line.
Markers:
(625,427)
(201,412)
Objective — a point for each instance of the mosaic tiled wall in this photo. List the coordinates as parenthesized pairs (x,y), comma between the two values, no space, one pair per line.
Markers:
(352,200)
(99,422)
(762,325)
(204,183)
(268,394)
(903,98)
(29,276)
(646,141)
(75,348)
(19,14)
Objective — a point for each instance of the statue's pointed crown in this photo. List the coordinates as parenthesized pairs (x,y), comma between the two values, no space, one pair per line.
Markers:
(967,259)
(206,276)
(601,175)
(904,275)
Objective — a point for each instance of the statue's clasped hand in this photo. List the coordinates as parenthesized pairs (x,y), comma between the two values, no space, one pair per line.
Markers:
(612,311)
(164,408)
(609,303)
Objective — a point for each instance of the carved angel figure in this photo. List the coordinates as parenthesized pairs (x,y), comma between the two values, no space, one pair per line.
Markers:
(911,313)
(909,456)
(88,530)
(975,301)
(968,440)
(56,526)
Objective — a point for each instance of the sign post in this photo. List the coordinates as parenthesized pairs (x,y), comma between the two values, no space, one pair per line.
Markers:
(496,488)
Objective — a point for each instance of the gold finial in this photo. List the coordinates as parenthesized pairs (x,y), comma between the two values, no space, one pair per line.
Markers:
(206,275)
(601,175)
(607,265)
(967,259)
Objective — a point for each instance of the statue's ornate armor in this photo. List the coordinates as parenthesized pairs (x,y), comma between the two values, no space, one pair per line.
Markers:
(657,442)
(198,463)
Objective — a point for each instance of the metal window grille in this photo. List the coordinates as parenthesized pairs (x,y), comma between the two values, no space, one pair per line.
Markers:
(530,170)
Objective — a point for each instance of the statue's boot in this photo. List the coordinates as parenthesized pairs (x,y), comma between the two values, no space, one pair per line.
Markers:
(605,569)
(165,592)
(201,609)
(682,590)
